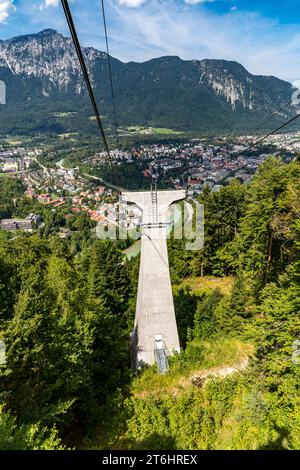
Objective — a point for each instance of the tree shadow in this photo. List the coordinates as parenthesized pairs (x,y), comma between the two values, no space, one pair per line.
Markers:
(280,443)
(155,442)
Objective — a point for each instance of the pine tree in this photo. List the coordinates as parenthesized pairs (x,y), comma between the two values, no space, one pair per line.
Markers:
(205,324)
(108,277)
(232,312)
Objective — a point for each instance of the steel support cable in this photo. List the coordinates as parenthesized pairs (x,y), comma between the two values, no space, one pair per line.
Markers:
(276,130)
(110,72)
(155,247)
(83,66)
(276,113)
(263,138)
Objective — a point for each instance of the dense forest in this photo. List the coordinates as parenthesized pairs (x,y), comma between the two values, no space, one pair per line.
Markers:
(67,309)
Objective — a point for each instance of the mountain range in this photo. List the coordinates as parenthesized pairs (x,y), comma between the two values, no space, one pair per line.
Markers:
(44,82)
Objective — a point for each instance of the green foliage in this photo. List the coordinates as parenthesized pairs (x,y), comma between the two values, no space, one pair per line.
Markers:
(205,324)
(66,307)
(31,437)
(10,191)
(185,306)
(66,352)
(233,310)
(223,212)
(266,237)
(129,175)
(254,233)
(108,277)
(191,420)
(179,259)
(198,356)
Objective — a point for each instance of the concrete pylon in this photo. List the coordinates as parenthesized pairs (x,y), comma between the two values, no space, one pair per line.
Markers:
(155,314)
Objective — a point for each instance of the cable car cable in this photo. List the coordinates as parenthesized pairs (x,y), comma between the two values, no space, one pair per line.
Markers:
(83,66)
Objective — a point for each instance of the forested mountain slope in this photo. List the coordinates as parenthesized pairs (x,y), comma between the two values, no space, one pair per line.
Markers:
(43,78)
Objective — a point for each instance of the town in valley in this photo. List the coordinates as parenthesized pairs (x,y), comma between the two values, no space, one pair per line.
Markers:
(56,182)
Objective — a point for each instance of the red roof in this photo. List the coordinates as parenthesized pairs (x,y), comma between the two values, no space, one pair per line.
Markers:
(61,203)
(194,182)
(55,201)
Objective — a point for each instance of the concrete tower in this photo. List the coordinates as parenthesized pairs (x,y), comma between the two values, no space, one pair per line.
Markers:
(155,315)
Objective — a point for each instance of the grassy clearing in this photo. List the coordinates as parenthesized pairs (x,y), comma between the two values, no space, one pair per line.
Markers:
(93,118)
(164,131)
(65,115)
(152,130)
(197,357)
(199,285)
(67,135)
(12,141)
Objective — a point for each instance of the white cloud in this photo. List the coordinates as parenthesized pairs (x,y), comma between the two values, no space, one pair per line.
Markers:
(195,2)
(261,44)
(132,3)
(6,7)
(51,3)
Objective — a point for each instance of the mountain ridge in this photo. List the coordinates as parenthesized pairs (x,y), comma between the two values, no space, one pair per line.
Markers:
(206,94)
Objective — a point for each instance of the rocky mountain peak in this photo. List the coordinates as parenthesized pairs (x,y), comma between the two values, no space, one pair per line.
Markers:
(46,65)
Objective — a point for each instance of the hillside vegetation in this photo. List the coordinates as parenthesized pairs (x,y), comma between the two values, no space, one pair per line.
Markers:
(67,308)
(236,385)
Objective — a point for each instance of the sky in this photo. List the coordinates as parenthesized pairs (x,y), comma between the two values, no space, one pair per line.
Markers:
(264,36)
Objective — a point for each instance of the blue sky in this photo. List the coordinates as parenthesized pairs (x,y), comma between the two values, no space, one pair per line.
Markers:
(262,35)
